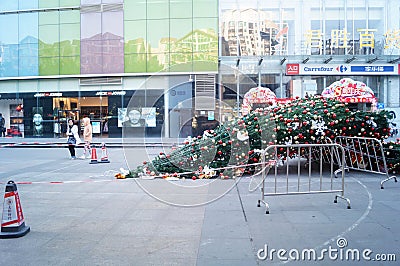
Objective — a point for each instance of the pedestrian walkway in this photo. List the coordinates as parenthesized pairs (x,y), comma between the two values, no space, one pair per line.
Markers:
(113,142)
(80,214)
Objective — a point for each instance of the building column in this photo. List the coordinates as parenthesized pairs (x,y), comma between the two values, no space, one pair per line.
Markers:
(166,113)
(393,92)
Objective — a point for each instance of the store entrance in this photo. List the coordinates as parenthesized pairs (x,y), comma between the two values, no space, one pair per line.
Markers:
(96,108)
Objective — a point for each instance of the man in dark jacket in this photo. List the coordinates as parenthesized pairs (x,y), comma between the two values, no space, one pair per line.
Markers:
(2,126)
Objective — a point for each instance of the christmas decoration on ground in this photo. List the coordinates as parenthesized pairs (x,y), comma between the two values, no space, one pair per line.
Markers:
(237,143)
(392,154)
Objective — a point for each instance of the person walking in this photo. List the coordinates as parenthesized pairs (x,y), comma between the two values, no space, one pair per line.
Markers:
(72,137)
(2,126)
(87,138)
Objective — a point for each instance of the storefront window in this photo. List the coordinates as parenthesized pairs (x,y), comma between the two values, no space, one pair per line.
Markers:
(143,115)
(12,110)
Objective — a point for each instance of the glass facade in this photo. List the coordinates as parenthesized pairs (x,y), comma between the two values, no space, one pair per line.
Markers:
(46,38)
(261,41)
(102,49)
(100,58)
(41,39)
(170,36)
(55,52)
(309,27)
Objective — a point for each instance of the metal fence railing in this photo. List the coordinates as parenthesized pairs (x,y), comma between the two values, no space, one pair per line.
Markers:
(365,154)
(307,169)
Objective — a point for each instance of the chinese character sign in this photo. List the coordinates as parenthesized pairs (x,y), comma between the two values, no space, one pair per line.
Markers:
(314,39)
(367,38)
(339,38)
(392,39)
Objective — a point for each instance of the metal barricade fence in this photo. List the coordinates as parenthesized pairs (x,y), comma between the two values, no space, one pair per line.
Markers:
(303,159)
(325,154)
(365,154)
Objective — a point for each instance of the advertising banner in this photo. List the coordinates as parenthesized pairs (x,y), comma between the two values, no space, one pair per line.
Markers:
(342,69)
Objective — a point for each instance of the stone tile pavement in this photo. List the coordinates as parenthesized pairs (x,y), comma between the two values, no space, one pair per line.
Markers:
(90,218)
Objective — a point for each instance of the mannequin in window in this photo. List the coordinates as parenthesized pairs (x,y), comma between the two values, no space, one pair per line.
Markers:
(37,125)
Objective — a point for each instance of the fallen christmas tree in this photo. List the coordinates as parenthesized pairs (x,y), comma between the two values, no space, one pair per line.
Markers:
(238,142)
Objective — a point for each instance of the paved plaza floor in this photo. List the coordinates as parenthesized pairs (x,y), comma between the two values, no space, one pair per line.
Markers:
(80,214)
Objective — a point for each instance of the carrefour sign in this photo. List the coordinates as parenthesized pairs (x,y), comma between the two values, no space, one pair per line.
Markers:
(342,69)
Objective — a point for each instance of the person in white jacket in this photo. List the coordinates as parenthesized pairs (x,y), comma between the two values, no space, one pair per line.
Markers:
(72,137)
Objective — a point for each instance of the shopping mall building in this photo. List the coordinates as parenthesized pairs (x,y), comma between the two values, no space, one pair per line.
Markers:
(184,65)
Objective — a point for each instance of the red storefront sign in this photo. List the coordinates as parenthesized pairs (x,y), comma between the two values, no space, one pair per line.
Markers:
(292,69)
